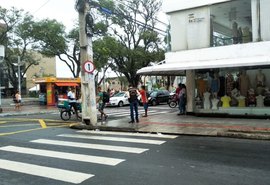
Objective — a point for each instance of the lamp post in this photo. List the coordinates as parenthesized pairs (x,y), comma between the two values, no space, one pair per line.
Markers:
(19,64)
(2,56)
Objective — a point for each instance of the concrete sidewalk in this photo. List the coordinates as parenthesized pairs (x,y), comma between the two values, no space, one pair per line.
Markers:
(189,125)
(169,123)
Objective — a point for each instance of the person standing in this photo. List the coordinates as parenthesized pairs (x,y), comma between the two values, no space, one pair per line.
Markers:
(72,101)
(101,104)
(133,103)
(182,100)
(144,100)
(18,100)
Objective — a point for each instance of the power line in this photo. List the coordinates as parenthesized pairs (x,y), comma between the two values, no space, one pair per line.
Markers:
(107,11)
(41,6)
(141,12)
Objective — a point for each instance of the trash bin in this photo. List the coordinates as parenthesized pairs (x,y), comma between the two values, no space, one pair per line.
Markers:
(42,99)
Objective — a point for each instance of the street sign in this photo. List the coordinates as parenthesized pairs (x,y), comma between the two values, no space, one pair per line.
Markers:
(88,66)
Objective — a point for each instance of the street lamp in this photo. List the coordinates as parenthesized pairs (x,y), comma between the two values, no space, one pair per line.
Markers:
(19,64)
(2,56)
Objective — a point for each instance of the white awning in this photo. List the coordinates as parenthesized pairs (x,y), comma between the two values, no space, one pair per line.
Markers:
(35,88)
(241,55)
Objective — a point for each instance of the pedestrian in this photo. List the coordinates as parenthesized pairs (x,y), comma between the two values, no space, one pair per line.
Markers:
(143,94)
(182,100)
(56,97)
(18,100)
(133,94)
(72,100)
(101,104)
(178,89)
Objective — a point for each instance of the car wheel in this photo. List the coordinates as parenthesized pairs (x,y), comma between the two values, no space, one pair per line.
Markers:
(120,104)
(154,102)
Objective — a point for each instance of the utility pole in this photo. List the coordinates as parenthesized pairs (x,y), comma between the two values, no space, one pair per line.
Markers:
(89,110)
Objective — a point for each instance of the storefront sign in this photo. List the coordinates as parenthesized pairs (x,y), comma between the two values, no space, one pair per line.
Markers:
(193,19)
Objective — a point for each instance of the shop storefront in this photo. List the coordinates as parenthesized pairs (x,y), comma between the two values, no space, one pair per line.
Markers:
(51,88)
(223,48)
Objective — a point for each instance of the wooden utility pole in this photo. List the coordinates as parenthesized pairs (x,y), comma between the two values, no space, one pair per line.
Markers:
(89,110)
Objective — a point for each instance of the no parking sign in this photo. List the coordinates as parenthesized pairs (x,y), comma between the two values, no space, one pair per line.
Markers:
(88,66)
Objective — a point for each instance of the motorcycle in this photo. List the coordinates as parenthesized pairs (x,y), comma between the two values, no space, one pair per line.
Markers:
(66,110)
(173,101)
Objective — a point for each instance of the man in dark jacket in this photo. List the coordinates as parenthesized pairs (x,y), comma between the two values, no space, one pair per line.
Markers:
(133,94)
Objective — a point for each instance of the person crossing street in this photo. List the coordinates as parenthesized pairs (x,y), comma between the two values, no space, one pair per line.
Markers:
(133,94)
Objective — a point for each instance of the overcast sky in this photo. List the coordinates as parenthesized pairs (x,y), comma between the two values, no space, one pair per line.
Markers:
(61,10)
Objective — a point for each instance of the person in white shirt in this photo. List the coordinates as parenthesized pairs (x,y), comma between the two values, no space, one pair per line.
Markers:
(72,100)
(18,100)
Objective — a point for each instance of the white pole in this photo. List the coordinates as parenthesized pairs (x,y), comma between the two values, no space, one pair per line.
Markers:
(19,74)
(2,56)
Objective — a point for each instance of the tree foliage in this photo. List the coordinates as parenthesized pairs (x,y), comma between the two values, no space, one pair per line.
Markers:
(16,35)
(132,41)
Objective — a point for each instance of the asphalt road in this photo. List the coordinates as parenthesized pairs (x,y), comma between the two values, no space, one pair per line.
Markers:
(113,112)
(62,156)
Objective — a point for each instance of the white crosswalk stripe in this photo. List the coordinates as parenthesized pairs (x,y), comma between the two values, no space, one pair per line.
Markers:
(119,139)
(67,175)
(128,134)
(91,146)
(42,171)
(64,155)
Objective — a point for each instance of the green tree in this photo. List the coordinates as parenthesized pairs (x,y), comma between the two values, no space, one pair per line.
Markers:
(132,40)
(16,36)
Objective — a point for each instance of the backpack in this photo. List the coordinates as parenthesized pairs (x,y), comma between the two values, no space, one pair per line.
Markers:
(106,97)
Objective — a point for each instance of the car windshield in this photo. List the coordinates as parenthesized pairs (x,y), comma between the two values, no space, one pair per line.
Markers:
(119,94)
(153,94)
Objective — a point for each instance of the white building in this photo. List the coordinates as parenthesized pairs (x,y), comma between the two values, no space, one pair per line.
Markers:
(230,38)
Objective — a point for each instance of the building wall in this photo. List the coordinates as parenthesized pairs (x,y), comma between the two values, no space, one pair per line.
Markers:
(190,29)
(47,66)
(265,21)
(177,5)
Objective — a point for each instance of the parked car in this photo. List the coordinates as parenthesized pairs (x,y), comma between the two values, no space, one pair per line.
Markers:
(3,94)
(120,99)
(159,96)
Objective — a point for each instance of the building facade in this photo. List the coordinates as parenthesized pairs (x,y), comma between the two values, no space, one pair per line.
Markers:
(223,46)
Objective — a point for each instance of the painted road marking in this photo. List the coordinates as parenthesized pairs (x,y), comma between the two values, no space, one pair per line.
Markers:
(42,123)
(127,112)
(91,146)
(18,125)
(17,132)
(63,155)
(42,171)
(118,139)
(128,134)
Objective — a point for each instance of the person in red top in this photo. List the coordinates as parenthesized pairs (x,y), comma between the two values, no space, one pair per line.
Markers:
(178,89)
(144,100)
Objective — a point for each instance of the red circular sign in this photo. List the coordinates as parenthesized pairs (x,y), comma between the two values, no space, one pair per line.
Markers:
(89,66)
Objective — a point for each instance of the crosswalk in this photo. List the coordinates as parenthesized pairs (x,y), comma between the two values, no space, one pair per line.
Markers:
(89,141)
(126,112)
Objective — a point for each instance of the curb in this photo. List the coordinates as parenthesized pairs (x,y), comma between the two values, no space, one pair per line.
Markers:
(24,113)
(245,135)
(81,126)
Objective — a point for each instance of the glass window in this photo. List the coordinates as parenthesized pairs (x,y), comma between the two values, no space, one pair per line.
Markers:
(231,23)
